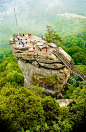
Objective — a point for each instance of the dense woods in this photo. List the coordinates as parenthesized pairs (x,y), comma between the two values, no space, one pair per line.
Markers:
(22,109)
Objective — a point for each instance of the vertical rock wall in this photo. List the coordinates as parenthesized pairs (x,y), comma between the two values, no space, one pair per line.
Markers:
(53,81)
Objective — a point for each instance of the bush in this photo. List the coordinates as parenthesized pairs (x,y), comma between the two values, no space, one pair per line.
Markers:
(51,110)
(20,108)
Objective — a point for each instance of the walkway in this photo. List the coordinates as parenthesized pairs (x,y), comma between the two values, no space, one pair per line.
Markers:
(69,65)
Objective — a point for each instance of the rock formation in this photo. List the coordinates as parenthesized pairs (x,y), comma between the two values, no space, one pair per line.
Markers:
(39,65)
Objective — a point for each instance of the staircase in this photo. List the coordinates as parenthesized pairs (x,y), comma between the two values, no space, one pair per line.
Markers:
(69,65)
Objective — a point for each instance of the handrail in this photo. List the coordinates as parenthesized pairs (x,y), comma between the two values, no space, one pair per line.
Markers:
(70,66)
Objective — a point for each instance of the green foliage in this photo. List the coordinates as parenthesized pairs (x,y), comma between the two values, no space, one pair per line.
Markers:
(51,110)
(68,92)
(24,108)
(14,76)
(10,72)
(52,79)
(81,67)
(37,90)
(51,35)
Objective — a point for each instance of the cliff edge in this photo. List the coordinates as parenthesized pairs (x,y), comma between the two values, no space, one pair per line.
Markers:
(39,65)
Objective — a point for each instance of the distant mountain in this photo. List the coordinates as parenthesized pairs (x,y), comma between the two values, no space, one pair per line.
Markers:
(34,15)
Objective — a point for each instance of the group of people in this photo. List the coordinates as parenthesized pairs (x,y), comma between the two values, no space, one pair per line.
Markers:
(20,41)
(29,35)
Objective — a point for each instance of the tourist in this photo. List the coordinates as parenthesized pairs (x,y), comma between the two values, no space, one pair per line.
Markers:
(28,34)
(19,42)
(33,44)
(22,44)
(37,55)
(18,38)
(16,42)
(42,36)
(26,41)
(34,48)
(40,49)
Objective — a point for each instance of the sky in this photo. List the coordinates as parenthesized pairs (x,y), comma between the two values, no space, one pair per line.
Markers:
(34,15)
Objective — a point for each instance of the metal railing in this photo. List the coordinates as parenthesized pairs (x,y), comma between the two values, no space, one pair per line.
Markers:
(69,65)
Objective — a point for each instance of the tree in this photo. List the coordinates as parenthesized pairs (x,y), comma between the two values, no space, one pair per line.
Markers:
(51,36)
(51,110)
(20,108)
(77,108)
(14,76)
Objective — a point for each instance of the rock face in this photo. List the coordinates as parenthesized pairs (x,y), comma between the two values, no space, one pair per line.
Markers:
(41,67)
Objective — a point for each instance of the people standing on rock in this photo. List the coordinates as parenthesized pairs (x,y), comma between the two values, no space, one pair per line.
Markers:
(34,49)
(16,42)
(72,66)
(42,36)
(18,38)
(19,42)
(22,44)
(59,53)
(33,44)
(46,50)
(37,55)
(29,34)
(40,49)
(26,41)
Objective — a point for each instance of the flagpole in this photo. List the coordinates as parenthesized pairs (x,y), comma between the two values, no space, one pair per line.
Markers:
(16,22)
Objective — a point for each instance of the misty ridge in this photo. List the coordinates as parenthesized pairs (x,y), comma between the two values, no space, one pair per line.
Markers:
(36,14)
(33,16)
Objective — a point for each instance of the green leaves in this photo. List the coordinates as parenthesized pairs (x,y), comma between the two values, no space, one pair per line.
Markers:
(51,110)
(20,107)
(10,72)
(51,36)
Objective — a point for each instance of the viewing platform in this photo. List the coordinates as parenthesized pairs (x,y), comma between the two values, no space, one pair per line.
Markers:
(38,51)
(34,47)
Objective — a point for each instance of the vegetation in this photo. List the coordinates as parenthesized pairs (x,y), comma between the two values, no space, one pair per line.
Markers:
(23,109)
(51,35)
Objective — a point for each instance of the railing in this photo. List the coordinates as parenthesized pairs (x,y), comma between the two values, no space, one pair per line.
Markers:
(69,65)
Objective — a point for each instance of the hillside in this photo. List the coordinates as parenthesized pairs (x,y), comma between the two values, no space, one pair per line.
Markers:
(24,107)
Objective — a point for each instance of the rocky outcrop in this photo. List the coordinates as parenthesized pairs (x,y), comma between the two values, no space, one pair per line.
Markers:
(41,67)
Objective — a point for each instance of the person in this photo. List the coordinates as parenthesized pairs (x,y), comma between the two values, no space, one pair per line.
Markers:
(22,44)
(46,50)
(34,48)
(70,63)
(72,66)
(16,42)
(26,41)
(59,53)
(40,49)
(23,34)
(37,55)
(18,38)
(42,36)
(28,34)
(33,44)
(19,42)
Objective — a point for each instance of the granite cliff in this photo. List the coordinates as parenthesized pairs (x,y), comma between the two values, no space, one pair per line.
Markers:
(39,65)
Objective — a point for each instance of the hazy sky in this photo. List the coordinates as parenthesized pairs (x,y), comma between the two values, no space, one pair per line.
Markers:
(36,14)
